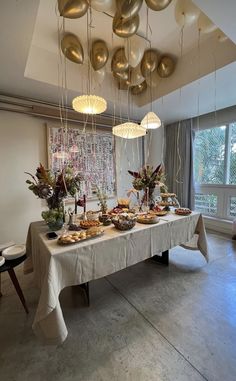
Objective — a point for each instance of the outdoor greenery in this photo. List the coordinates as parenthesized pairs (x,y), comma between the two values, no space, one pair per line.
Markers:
(210,156)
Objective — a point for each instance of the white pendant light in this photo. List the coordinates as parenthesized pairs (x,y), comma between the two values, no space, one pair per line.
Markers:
(89,104)
(151,121)
(129,130)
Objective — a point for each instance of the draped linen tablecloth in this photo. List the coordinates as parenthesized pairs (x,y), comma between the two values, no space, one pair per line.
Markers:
(56,267)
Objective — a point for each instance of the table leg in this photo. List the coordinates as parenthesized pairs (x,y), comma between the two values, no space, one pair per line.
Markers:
(163,259)
(85,287)
(14,280)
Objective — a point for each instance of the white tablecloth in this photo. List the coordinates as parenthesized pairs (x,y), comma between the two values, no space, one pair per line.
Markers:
(56,267)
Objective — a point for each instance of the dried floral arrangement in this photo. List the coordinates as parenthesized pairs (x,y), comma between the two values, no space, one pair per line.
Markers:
(54,187)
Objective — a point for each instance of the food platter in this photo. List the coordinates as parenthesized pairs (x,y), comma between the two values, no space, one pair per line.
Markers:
(87,224)
(160,213)
(77,237)
(148,219)
(183,211)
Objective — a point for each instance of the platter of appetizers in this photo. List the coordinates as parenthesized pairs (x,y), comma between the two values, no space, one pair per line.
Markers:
(148,218)
(86,224)
(76,237)
(183,211)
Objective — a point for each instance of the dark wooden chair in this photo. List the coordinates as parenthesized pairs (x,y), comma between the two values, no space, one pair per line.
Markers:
(9,267)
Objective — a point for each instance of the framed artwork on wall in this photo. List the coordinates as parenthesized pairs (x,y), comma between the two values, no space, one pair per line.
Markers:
(91,153)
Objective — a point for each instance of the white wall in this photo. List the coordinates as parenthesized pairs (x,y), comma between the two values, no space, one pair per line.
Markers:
(22,148)
(154,145)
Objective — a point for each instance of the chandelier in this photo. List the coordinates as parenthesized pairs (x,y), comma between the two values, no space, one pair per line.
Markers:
(151,121)
(129,130)
(89,104)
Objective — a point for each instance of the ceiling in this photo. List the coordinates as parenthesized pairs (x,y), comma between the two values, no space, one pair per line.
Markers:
(30,59)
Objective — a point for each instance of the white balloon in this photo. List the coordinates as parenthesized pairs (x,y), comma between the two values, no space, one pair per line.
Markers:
(134,49)
(136,76)
(186,13)
(205,25)
(221,36)
(108,6)
(153,79)
(99,75)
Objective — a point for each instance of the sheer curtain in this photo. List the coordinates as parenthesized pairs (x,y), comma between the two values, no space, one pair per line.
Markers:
(179,161)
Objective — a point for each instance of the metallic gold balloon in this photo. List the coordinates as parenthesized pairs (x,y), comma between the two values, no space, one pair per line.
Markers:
(149,62)
(125,27)
(72,48)
(158,5)
(128,9)
(72,9)
(139,89)
(119,62)
(136,76)
(166,67)
(99,54)
(122,76)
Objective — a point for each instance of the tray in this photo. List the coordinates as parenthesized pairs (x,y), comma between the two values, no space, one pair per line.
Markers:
(148,221)
(160,213)
(183,212)
(61,243)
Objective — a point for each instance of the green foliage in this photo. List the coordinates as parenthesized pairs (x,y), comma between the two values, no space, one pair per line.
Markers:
(102,198)
(51,216)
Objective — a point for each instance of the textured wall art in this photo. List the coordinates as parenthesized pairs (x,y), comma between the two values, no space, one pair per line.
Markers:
(90,153)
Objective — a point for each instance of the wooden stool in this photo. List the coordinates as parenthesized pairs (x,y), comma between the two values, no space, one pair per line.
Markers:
(9,266)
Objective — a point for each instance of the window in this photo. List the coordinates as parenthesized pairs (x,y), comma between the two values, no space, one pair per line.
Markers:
(215,171)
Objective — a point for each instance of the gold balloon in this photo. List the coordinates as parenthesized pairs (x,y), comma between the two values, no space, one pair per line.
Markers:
(158,5)
(72,9)
(125,27)
(128,9)
(119,62)
(149,62)
(122,76)
(166,67)
(139,89)
(72,48)
(99,54)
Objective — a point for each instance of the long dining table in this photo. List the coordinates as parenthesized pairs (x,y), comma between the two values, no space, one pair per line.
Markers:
(56,267)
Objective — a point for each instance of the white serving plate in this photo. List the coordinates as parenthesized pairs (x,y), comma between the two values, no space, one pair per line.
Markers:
(2,261)
(5,245)
(14,252)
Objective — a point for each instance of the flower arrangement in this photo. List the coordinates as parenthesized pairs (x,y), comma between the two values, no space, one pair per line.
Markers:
(146,180)
(54,187)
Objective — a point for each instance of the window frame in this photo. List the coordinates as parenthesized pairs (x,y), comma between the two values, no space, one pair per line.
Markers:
(224,191)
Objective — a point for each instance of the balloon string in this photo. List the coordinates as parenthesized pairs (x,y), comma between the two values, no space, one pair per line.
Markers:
(181,42)
(199,82)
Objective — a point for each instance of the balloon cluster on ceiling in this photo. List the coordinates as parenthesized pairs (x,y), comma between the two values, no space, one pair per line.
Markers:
(132,66)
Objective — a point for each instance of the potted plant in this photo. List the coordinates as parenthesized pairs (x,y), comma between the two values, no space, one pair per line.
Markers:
(54,187)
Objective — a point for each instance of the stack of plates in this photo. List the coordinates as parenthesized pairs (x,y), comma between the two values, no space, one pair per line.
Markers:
(14,252)
(2,261)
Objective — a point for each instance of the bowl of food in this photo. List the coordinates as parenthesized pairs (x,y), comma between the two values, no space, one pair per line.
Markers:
(92,215)
(124,221)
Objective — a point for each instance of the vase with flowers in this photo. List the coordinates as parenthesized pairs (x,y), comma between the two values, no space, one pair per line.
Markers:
(54,187)
(146,180)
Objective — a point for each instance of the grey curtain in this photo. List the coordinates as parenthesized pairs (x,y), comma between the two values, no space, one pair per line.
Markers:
(179,161)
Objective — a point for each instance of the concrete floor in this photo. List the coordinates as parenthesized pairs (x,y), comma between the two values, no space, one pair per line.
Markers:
(145,323)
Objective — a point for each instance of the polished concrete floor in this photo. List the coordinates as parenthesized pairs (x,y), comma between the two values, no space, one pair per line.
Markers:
(146,323)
